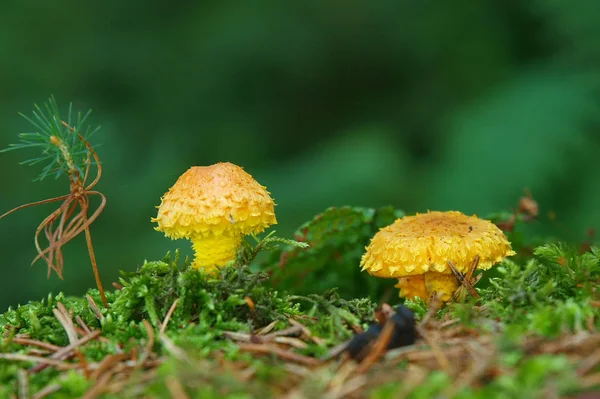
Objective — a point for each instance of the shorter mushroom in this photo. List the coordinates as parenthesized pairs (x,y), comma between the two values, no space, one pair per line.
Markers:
(214,207)
(421,250)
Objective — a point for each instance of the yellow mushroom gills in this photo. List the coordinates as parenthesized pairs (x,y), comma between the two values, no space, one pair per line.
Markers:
(214,207)
(417,249)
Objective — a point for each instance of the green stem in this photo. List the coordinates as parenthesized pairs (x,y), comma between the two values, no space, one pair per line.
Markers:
(151,309)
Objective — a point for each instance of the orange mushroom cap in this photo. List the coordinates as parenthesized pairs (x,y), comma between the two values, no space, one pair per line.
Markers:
(215,200)
(414,245)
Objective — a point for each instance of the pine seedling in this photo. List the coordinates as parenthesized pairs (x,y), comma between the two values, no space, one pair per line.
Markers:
(65,148)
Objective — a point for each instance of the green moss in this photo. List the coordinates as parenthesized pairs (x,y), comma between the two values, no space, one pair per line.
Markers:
(547,296)
(206,308)
(523,378)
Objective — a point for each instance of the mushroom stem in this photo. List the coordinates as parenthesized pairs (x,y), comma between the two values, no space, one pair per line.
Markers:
(215,250)
(445,284)
(412,286)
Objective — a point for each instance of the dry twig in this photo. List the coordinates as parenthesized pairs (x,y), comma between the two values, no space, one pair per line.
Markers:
(283,354)
(175,388)
(163,327)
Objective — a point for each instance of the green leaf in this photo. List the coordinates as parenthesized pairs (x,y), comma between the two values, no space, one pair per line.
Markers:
(337,238)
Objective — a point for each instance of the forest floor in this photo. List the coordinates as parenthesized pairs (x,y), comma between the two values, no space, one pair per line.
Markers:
(173,332)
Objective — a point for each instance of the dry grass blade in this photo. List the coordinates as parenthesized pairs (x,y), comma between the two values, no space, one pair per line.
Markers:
(38,352)
(149,343)
(591,381)
(350,387)
(163,327)
(23,380)
(296,369)
(242,337)
(175,388)
(336,351)
(44,361)
(582,341)
(589,363)
(99,387)
(82,324)
(120,386)
(434,305)
(290,331)
(307,332)
(66,351)
(32,342)
(435,348)
(106,363)
(266,329)
(378,348)
(174,350)
(92,254)
(481,361)
(63,316)
(267,349)
(340,385)
(46,391)
(465,280)
(295,342)
(94,307)
(275,336)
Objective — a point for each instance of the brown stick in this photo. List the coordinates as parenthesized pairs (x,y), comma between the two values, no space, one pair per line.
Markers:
(23,380)
(175,388)
(273,350)
(42,202)
(37,359)
(99,387)
(47,390)
(107,363)
(65,351)
(88,239)
(65,320)
(94,307)
(32,342)
(168,316)
(149,344)
(378,348)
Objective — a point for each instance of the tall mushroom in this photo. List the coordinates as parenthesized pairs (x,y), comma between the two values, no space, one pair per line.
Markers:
(214,207)
(419,251)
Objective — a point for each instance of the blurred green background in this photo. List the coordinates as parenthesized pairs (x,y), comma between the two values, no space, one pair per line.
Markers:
(418,104)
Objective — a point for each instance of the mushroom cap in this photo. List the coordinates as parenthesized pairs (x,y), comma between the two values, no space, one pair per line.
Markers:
(414,245)
(214,200)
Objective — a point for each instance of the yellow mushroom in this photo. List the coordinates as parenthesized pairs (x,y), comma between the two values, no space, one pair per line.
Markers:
(417,250)
(214,207)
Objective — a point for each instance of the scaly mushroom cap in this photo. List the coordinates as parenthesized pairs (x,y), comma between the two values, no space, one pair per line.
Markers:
(413,245)
(217,199)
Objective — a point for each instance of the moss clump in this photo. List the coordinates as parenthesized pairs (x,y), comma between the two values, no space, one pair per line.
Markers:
(207,306)
(236,336)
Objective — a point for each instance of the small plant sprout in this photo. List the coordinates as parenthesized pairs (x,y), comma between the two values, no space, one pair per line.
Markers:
(65,147)
(434,252)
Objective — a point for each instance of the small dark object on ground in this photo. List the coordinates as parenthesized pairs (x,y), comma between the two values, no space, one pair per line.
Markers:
(404,328)
(404,334)
(357,348)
